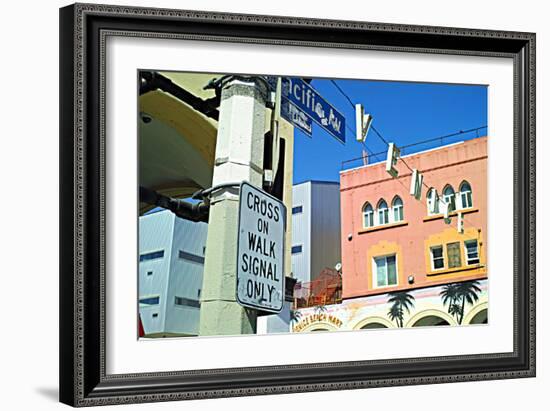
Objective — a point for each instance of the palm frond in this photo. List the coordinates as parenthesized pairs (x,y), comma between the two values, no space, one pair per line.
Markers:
(320,309)
(395,313)
(469,291)
(455,309)
(295,316)
(449,294)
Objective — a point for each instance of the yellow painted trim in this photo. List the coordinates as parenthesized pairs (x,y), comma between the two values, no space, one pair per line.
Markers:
(381,249)
(324,325)
(375,319)
(451,214)
(382,227)
(475,267)
(451,235)
(430,312)
(475,311)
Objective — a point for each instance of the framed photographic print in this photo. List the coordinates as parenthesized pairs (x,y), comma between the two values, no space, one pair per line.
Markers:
(260,204)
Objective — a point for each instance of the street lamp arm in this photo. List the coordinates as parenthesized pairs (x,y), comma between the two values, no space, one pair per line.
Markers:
(181,208)
(205,193)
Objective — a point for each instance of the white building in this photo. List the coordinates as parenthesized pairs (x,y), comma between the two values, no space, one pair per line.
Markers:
(171,261)
(315,228)
(315,241)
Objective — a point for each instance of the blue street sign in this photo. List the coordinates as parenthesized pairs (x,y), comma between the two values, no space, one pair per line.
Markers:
(295,116)
(290,112)
(307,100)
(272,82)
(301,103)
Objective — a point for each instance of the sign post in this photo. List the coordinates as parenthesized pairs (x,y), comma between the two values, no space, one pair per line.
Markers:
(261,247)
(239,157)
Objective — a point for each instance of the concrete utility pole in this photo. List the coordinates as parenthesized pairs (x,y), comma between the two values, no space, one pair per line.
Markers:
(239,156)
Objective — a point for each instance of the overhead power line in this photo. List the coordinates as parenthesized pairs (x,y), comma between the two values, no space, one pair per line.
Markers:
(417,143)
(343,92)
(381,137)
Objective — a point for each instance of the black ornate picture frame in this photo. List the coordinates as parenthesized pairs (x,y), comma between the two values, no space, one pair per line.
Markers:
(83,30)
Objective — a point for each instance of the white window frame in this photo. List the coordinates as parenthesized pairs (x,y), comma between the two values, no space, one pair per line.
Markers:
(432,197)
(467,258)
(463,193)
(382,211)
(375,272)
(450,198)
(397,208)
(370,213)
(432,257)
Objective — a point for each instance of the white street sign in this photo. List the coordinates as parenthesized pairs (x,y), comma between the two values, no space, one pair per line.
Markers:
(260,250)
(417,179)
(391,159)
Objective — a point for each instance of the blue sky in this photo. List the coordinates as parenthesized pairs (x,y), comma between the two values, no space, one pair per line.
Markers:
(404,113)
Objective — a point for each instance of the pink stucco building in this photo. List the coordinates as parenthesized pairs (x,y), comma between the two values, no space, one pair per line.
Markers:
(392,241)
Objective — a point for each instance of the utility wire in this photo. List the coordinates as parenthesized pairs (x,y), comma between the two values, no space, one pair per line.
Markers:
(343,93)
(401,158)
(373,127)
(364,146)
(430,140)
(380,136)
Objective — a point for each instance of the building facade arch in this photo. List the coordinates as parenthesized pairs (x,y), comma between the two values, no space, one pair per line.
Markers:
(363,323)
(475,311)
(430,313)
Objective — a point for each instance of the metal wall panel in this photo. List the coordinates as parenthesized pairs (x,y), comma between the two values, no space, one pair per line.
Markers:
(316,228)
(172,275)
(155,233)
(301,231)
(186,274)
(325,226)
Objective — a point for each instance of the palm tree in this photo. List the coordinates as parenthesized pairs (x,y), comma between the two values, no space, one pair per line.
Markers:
(320,309)
(295,316)
(457,295)
(455,309)
(400,302)
(396,314)
(449,295)
(468,291)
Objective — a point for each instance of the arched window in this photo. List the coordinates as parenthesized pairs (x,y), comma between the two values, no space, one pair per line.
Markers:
(449,197)
(465,195)
(397,207)
(383,212)
(368,215)
(433,201)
